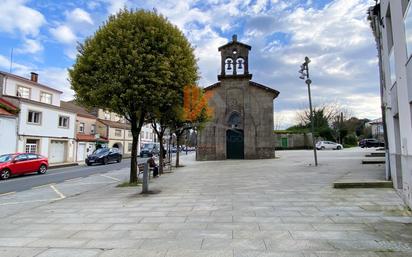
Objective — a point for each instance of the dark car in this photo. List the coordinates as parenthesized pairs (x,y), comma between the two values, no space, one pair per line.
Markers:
(22,163)
(104,156)
(370,142)
(150,149)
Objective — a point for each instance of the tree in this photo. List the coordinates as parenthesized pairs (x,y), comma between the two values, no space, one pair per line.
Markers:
(130,65)
(195,112)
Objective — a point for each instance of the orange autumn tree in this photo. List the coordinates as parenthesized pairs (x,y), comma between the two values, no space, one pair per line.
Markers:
(194,114)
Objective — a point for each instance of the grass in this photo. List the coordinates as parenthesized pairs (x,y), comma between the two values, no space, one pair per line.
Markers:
(128,184)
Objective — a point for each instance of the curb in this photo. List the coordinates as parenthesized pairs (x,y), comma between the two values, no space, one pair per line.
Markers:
(363,184)
(373,161)
(64,165)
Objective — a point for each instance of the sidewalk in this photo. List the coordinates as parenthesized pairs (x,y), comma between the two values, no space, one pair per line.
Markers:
(256,208)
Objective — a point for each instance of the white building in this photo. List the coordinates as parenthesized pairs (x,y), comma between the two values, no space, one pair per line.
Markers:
(391,22)
(43,126)
(8,124)
(376,126)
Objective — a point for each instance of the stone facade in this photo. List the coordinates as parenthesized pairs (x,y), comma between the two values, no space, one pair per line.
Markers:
(242,124)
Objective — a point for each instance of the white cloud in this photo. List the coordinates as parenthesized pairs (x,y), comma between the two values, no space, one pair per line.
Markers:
(30,46)
(63,34)
(15,15)
(51,76)
(115,5)
(79,15)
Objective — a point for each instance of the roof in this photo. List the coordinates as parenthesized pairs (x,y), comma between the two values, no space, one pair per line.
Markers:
(255,84)
(115,124)
(376,121)
(25,100)
(234,42)
(251,83)
(81,111)
(26,80)
(89,138)
(7,108)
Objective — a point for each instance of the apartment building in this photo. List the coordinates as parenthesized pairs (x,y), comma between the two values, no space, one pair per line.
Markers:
(391,22)
(43,126)
(87,137)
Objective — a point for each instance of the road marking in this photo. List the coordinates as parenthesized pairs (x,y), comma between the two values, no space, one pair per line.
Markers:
(46,185)
(58,192)
(106,176)
(73,179)
(9,193)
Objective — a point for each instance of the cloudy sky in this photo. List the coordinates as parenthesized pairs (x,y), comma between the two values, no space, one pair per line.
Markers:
(333,33)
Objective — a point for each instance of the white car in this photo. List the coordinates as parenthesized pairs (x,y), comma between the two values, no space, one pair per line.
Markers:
(323,145)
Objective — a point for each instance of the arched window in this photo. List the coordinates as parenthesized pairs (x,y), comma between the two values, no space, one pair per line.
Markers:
(240,66)
(229,66)
(234,120)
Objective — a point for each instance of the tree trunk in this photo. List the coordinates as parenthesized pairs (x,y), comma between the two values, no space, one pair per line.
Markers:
(136,127)
(161,154)
(178,135)
(133,164)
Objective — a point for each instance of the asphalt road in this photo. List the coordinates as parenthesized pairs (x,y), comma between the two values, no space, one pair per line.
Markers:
(28,181)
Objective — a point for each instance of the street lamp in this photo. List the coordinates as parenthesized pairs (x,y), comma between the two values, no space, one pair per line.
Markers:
(304,74)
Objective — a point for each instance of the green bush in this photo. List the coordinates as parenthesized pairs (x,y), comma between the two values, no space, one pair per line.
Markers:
(351,140)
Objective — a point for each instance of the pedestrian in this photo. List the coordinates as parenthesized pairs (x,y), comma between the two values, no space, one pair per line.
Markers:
(152,164)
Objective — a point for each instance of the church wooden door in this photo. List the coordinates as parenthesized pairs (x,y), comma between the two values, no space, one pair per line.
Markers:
(234,144)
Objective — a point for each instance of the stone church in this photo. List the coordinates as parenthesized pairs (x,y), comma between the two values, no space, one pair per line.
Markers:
(242,122)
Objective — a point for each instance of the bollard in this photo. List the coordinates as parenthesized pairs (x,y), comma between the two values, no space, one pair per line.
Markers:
(145,185)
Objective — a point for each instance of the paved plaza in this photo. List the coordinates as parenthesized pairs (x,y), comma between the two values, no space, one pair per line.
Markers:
(245,208)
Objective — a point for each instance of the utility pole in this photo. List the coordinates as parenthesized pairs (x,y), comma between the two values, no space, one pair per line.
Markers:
(304,71)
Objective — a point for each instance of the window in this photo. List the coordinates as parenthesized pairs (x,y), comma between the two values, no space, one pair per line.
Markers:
(23,92)
(389,35)
(93,129)
(31,145)
(34,117)
(64,122)
(408,29)
(118,133)
(129,133)
(32,156)
(45,98)
(107,115)
(129,147)
(81,127)
(21,157)
(141,135)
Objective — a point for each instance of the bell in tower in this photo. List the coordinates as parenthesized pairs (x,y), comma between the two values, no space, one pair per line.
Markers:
(235,60)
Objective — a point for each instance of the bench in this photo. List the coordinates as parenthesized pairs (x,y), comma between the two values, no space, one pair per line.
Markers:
(140,167)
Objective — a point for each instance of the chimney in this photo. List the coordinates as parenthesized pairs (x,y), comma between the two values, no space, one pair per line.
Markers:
(234,38)
(34,77)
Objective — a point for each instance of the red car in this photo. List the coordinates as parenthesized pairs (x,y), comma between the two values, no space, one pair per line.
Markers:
(22,163)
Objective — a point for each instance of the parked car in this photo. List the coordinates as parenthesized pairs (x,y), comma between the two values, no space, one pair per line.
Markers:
(104,156)
(370,142)
(150,149)
(323,145)
(22,163)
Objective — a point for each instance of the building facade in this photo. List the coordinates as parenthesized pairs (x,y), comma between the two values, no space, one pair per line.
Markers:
(376,127)
(391,21)
(242,122)
(87,138)
(43,126)
(8,125)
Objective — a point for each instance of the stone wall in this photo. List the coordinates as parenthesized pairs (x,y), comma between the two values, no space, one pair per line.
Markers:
(254,105)
(294,141)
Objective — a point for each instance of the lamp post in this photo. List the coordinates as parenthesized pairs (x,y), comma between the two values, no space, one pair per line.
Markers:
(304,71)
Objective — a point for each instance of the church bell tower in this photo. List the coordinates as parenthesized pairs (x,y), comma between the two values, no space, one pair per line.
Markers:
(235,60)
